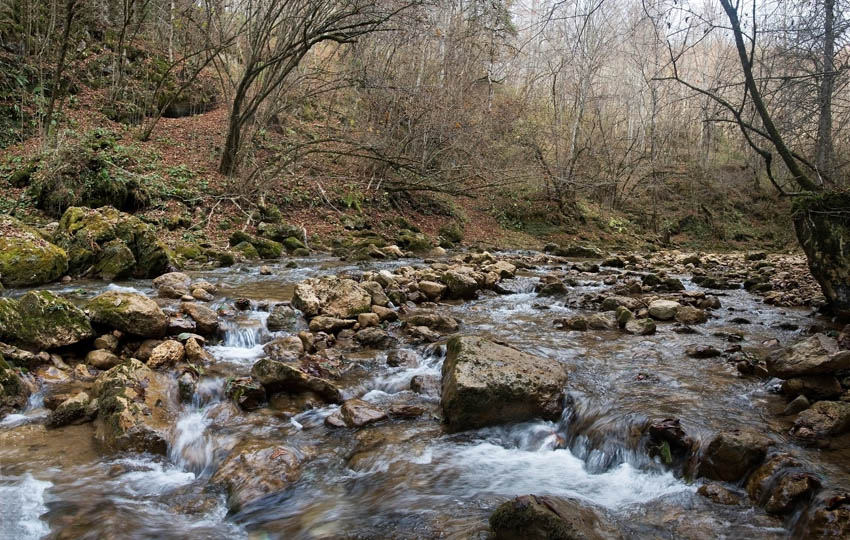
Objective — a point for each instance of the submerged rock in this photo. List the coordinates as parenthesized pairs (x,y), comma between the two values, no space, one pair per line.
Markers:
(256,468)
(485,383)
(356,413)
(531,517)
(129,312)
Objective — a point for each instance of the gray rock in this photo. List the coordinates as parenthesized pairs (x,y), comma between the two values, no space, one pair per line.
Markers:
(485,383)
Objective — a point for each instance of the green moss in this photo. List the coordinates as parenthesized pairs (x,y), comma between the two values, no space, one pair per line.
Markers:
(267,249)
(238,237)
(86,234)
(412,241)
(116,260)
(26,258)
(247,250)
(452,232)
(291,244)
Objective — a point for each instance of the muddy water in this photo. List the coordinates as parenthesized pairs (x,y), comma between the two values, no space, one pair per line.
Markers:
(407,479)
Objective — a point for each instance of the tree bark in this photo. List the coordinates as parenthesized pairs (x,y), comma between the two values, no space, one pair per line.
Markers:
(824,146)
(70,11)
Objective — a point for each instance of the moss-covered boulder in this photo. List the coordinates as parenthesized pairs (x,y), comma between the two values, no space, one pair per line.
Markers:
(263,247)
(100,243)
(26,258)
(44,320)
(136,408)
(414,241)
(129,312)
(531,517)
(485,383)
(13,392)
(822,223)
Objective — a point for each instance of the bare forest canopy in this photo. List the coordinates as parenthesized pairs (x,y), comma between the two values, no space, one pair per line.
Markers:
(620,103)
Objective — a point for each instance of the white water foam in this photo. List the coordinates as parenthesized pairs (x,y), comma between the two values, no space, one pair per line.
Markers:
(21,505)
(488,468)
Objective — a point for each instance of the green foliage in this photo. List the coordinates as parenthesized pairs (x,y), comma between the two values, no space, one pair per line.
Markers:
(93,171)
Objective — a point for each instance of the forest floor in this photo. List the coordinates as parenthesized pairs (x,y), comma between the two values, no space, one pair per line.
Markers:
(185,152)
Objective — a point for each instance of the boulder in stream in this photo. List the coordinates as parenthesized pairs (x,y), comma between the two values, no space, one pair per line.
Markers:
(256,468)
(277,376)
(137,408)
(331,296)
(731,455)
(817,355)
(13,391)
(532,517)
(129,312)
(822,420)
(485,383)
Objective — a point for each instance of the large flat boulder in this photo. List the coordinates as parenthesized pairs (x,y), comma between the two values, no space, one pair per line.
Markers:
(136,408)
(817,355)
(485,383)
(822,420)
(26,258)
(129,312)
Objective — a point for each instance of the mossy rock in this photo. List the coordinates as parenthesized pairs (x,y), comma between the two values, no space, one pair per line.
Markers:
(26,258)
(412,241)
(89,236)
(238,237)
(280,231)
(129,312)
(451,232)
(301,252)
(292,243)
(115,261)
(190,251)
(44,320)
(13,392)
(267,249)
(222,258)
(247,250)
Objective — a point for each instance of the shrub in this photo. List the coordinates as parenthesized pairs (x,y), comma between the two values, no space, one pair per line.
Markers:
(94,171)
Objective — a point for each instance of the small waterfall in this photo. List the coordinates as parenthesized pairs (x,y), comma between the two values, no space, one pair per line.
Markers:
(521,284)
(192,446)
(33,411)
(246,331)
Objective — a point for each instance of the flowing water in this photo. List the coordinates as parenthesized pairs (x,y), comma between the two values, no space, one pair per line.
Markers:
(407,478)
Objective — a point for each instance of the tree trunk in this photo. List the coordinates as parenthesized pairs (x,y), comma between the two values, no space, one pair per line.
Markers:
(823,149)
(70,9)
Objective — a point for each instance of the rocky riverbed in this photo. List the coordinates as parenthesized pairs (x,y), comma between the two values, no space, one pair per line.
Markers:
(473,395)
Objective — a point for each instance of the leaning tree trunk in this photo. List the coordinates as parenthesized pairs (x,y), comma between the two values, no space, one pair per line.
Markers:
(822,222)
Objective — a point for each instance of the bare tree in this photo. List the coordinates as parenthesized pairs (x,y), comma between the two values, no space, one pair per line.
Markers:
(279,35)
